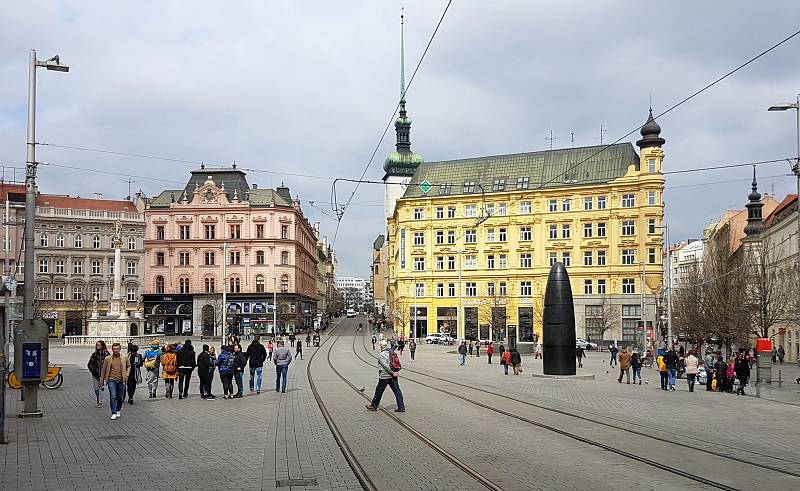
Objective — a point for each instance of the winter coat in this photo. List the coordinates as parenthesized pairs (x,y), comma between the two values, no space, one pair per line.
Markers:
(256,354)
(692,364)
(625,359)
(636,361)
(136,361)
(742,369)
(462,349)
(105,370)
(239,361)
(516,359)
(205,364)
(490,349)
(185,357)
(96,362)
(169,359)
(671,359)
(282,356)
(505,358)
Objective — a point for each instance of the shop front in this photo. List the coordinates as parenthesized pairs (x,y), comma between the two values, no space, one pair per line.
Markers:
(170,315)
(250,316)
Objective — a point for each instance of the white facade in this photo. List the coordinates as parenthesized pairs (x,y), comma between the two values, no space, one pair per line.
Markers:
(685,259)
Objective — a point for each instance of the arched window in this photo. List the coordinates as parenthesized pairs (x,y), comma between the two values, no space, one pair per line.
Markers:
(284,283)
(235,285)
(159,284)
(43,240)
(284,257)
(210,285)
(78,242)
(259,284)
(259,257)
(60,240)
(96,242)
(184,285)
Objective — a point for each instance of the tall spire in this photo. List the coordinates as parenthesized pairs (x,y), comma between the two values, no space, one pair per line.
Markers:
(402,58)
(755,224)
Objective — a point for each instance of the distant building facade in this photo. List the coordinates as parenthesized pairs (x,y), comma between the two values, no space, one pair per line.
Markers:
(219,233)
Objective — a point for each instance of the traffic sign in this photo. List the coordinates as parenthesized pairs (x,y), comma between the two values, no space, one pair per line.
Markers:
(425,186)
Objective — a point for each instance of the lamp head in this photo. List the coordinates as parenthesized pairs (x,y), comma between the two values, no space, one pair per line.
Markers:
(55,65)
(782,107)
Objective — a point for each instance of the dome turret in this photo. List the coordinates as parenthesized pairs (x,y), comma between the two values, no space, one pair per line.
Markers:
(651,132)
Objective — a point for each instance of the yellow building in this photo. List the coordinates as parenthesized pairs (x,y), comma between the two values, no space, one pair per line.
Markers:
(471,241)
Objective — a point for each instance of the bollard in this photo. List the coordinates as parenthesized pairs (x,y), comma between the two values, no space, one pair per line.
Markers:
(780,381)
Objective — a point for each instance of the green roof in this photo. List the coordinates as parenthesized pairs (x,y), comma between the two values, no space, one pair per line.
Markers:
(565,167)
(267,197)
(166,198)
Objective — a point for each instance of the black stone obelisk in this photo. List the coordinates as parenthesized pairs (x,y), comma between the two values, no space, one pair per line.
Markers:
(558,343)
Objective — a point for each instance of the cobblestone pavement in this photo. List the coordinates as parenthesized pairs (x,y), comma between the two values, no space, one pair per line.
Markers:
(270,440)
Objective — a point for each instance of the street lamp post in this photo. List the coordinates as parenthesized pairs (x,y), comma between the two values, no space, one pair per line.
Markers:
(668,281)
(796,166)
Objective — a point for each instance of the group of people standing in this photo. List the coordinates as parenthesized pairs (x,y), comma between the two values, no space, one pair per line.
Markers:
(508,357)
(174,361)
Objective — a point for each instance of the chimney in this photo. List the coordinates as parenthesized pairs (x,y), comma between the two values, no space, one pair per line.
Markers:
(98,195)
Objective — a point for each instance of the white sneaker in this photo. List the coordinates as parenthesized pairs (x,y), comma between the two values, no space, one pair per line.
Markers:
(119,415)
(114,416)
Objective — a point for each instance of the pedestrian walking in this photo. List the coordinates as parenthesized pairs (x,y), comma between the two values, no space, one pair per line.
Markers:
(774,354)
(269,350)
(291,339)
(612,348)
(579,355)
(501,350)
(636,366)
(742,369)
(708,364)
(730,375)
(225,367)
(516,361)
(94,366)
(692,367)
(308,339)
(721,369)
(471,347)
(671,360)
(387,375)
(625,365)
(186,364)
(239,363)
(781,354)
(136,361)
(169,365)
(538,354)
(412,348)
(662,372)
(462,353)
(205,371)
(505,360)
(477,348)
(283,357)
(490,352)
(256,356)
(114,373)
(299,353)
(401,344)
(152,364)
(374,339)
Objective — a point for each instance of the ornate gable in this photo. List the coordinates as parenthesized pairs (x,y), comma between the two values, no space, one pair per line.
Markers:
(209,193)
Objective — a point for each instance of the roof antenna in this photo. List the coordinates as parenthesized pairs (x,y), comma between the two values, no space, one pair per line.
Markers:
(551,139)
(572,138)
(602,133)
(129,181)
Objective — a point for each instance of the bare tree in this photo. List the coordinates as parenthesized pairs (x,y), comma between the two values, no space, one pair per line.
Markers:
(768,287)
(687,308)
(601,318)
(400,313)
(494,309)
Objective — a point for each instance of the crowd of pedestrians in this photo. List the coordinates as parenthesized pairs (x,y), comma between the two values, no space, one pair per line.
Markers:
(178,361)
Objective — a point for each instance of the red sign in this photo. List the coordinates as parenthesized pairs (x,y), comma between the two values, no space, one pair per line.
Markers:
(764,344)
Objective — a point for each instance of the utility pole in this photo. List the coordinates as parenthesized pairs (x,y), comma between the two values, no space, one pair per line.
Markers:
(459,317)
(275,307)
(224,289)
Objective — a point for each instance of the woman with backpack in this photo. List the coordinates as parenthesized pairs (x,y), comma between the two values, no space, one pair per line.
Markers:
(135,375)
(516,361)
(152,361)
(94,366)
(505,359)
(169,363)
(225,365)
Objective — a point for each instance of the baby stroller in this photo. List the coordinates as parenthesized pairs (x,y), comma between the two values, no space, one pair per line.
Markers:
(702,375)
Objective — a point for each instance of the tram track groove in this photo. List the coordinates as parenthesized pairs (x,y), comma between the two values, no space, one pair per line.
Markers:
(575,436)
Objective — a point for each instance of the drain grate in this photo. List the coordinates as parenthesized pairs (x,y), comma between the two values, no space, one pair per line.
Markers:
(115,437)
(283,483)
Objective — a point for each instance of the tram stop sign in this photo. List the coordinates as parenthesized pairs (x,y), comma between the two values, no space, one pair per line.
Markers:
(425,186)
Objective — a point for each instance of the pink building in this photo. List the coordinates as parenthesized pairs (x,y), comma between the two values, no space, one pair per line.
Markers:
(217,233)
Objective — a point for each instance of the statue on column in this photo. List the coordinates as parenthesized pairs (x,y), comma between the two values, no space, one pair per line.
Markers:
(116,240)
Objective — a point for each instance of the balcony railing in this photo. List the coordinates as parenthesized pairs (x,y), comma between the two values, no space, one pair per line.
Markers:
(76,213)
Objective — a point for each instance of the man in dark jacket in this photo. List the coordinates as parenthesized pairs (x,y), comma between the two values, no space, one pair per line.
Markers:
(462,353)
(205,370)
(742,369)
(671,360)
(186,364)
(256,354)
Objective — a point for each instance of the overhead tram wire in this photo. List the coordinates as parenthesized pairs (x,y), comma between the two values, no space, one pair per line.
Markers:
(673,107)
(388,125)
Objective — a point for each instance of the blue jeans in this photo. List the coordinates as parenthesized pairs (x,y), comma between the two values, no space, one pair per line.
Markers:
(462,358)
(116,395)
(282,370)
(505,369)
(391,382)
(637,373)
(239,383)
(255,373)
(672,373)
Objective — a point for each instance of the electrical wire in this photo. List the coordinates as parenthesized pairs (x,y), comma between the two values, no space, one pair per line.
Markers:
(674,106)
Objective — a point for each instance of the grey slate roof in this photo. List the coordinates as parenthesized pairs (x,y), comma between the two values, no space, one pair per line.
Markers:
(234,179)
(378,243)
(538,167)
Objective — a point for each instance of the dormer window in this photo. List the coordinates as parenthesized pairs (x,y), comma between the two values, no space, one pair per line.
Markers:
(469,187)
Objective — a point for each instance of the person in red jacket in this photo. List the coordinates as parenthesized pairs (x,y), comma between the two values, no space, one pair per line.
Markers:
(490,352)
(505,360)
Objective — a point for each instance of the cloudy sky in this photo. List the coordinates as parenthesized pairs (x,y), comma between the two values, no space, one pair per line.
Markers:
(306,87)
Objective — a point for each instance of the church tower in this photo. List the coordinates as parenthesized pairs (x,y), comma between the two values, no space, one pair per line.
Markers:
(402,163)
(755,222)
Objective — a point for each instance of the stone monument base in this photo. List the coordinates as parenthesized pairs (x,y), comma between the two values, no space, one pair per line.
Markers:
(587,376)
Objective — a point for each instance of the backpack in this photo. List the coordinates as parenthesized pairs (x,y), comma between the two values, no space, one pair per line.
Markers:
(394,362)
(171,366)
(150,363)
(225,362)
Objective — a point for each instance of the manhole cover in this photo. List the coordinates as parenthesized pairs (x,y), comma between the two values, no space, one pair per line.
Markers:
(115,437)
(295,482)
